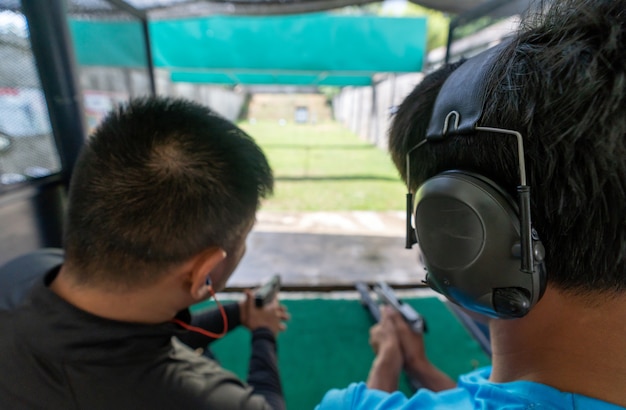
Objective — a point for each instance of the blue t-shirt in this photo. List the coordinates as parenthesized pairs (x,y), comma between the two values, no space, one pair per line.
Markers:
(474,391)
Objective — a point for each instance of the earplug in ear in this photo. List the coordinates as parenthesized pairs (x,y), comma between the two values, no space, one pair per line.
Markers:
(207,288)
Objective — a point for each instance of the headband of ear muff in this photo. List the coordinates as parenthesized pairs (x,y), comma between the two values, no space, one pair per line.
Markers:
(477,244)
(469,235)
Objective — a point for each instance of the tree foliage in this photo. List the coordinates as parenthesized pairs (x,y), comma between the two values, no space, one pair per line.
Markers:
(437,22)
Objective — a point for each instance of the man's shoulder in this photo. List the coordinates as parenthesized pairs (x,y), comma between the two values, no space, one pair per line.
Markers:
(18,275)
(194,381)
(174,377)
(190,363)
(524,394)
(474,391)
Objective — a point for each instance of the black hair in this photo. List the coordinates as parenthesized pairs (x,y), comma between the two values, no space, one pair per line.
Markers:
(159,181)
(561,83)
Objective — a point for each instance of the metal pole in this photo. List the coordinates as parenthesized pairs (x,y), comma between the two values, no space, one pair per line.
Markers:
(477,12)
(146,37)
(449,41)
(54,56)
(143,17)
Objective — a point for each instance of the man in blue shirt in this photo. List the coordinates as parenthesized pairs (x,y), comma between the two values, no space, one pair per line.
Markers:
(556,297)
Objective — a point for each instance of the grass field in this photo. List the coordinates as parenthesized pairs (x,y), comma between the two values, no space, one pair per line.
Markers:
(325,167)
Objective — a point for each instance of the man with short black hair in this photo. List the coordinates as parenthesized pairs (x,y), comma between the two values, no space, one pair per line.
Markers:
(161,201)
(561,84)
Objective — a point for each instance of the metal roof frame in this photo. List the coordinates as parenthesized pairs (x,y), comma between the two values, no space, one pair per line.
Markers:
(188,8)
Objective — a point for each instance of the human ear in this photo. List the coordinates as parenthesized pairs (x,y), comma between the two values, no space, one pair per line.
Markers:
(200,274)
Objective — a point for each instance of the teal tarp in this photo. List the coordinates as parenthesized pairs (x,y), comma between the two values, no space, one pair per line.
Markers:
(337,50)
(317,42)
(235,77)
(109,44)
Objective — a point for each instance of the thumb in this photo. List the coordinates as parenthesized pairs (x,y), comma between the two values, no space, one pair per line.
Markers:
(386,312)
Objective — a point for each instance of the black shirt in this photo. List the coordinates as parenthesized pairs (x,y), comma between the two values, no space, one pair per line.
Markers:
(56,356)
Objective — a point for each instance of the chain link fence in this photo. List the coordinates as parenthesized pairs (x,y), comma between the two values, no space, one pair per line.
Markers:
(27,148)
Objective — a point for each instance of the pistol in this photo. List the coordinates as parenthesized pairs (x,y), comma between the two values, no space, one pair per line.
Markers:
(411,316)
(266,293)
(367,301)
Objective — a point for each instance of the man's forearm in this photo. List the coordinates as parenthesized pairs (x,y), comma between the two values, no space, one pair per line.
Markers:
(263,374)
(384,374)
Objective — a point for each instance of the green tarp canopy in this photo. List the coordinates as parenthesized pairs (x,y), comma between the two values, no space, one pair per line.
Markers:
(308,49)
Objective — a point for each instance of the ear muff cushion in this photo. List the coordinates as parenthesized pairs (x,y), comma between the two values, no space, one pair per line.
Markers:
(445,222)
(467,228)
(450,214)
